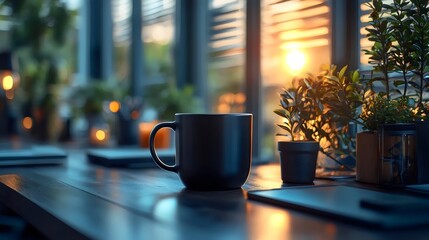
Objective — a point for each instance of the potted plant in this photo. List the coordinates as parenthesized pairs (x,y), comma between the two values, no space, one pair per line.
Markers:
(298,157)
(87,100)
(166,99)
(386,122)
(399,57)
(89,104)
(389,105)
(326,109)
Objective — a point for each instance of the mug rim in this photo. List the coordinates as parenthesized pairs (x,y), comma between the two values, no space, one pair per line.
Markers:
(213,114)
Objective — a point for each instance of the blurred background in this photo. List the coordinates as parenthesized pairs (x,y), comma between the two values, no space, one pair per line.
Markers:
(102,72)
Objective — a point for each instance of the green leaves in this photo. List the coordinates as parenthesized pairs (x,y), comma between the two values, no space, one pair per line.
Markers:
(400,44)
(379,110)
(282,113)
(320,107)
(168,99)
(298,105)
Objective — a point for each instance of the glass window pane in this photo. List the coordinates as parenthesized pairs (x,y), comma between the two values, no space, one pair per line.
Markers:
(226,60)
(295,41)
(158,37)
(121,14)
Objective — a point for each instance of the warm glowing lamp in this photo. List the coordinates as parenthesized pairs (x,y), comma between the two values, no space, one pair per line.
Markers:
(114,106)
(295,60)
(99,135)
(27,123)
(7,82)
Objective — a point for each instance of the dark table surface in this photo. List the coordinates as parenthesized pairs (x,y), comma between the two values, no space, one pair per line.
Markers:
(80,200)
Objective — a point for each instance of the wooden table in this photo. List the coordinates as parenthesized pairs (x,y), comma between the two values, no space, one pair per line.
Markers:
(79,200)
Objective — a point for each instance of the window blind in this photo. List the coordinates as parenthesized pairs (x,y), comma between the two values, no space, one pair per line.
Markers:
(226,32)
(155,11)
(296,24)
(121,14)
(157,17)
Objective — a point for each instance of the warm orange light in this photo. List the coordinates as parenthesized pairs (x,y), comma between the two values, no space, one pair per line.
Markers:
(227,98)
(305,44)
(279,220)
(223,108)
(303,34)
(295,60)
(7,82)
(100,135)
(240,98)
(162,138)
(13,181)
(27,123)
(114,106)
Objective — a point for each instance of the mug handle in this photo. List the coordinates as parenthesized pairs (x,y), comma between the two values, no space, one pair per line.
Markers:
(155,157)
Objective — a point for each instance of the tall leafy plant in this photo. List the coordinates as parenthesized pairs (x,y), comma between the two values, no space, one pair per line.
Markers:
(420,29)
(380,33)
(400,45)
(402,50)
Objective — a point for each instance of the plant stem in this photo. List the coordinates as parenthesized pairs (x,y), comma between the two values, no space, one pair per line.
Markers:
(386,78)
(404,75)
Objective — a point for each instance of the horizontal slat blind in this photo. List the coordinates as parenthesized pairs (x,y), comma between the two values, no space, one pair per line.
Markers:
(121,13)
(296,24)
(227,32)
(291,26)
(155,11)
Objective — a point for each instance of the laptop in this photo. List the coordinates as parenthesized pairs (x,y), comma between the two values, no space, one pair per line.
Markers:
(129,157)
(28,155)
(370,208)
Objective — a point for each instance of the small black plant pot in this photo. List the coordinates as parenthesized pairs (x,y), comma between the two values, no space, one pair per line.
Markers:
(298,161)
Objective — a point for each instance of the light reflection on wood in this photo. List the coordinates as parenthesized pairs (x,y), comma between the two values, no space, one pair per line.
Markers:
(12,181)
(277,221)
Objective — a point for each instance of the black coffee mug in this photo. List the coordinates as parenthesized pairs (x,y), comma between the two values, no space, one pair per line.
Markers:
(213,151)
